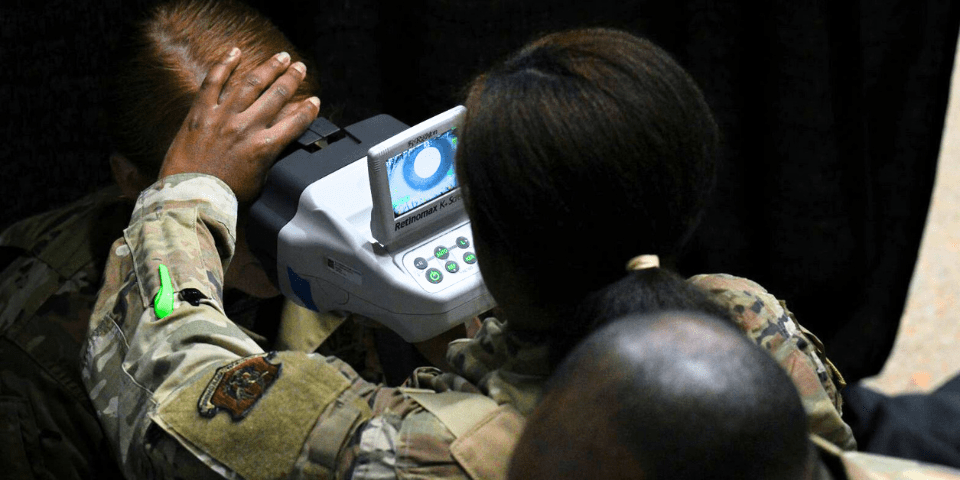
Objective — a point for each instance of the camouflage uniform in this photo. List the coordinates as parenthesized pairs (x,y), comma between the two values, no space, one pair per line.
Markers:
(52,265)
(190,394)
(51,270)
(766,321)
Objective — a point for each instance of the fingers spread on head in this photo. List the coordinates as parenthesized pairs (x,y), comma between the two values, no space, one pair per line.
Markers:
(238,96)
(278,95)
(213,83)
(288,127)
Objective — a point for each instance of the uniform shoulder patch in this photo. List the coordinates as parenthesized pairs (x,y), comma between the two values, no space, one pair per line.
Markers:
(237,386)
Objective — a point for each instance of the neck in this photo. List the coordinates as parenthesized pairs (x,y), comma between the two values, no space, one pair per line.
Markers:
(526,318)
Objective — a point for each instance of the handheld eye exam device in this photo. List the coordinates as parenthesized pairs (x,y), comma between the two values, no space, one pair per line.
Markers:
(369,219)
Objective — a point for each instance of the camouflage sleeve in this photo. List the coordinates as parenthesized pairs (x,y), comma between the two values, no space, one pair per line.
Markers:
(132,360)
(189,395)
(766,321)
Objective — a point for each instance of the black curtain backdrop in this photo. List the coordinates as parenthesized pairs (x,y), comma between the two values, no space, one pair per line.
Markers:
(831,114)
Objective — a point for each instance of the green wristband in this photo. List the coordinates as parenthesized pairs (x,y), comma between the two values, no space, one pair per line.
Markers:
(163,302)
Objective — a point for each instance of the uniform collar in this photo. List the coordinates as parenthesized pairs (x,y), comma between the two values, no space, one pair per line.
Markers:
(507,366)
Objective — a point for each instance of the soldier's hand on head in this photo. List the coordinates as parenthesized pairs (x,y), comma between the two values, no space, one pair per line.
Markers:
(235,130)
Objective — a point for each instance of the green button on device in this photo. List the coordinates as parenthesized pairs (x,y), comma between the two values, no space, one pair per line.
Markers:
(434,276)
(163,302)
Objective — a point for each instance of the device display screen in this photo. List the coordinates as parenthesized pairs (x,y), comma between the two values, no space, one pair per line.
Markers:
(422,173)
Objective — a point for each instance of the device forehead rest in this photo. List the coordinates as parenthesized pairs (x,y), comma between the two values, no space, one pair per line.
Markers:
(305,163)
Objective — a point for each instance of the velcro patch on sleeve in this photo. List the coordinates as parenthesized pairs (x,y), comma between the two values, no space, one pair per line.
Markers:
(272,407)
(237,386)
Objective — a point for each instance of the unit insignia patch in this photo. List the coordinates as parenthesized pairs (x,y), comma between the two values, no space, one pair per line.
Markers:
(236,387)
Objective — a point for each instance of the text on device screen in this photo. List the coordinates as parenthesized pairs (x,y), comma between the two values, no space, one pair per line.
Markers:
(422,173)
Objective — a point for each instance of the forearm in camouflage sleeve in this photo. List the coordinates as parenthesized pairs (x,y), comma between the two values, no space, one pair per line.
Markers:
(156,382)
(766,321)
(132,360)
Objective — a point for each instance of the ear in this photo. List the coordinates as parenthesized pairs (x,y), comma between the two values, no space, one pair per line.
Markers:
(127,176)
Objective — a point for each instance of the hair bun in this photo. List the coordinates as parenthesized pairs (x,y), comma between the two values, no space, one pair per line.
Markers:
(641,262)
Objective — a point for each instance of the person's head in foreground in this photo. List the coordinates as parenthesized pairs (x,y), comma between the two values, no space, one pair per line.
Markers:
(581,151)
(674,395)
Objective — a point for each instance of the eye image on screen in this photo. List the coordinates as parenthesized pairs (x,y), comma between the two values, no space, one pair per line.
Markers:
(422,173)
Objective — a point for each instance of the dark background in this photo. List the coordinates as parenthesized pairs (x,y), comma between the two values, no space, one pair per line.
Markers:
(831,114)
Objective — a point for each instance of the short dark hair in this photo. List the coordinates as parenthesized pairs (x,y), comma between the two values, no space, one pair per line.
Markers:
(649,291)
(674,395)
(165,60)
(582,150)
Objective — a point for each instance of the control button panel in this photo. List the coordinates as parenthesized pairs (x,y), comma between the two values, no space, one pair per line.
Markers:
(442,261)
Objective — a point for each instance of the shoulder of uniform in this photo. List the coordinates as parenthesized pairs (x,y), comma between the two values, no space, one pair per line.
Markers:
(484,451)
(266,403)
(70,236)
(758,313)
(716,282)
(485,432)
(29,232)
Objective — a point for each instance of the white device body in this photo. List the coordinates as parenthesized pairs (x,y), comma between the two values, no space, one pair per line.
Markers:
(329,260)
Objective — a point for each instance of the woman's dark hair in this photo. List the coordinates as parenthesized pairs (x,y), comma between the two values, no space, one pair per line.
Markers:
(165,60)
(581,151)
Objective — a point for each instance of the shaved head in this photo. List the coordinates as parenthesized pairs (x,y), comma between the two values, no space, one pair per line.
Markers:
(673,395)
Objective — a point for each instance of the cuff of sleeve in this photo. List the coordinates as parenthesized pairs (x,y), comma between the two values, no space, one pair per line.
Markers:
(188,223)
(211,193)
